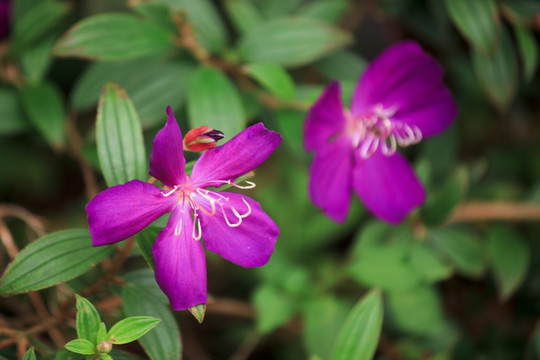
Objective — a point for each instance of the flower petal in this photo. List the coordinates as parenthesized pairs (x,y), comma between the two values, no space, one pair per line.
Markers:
(410,81)
(167,162)
(249,244)
(330,179)
(325,118)
(387,185)
(123,210)
(241,154)
(180,262)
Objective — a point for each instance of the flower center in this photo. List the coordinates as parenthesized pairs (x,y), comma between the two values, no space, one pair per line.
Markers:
(369,132)
(207,202)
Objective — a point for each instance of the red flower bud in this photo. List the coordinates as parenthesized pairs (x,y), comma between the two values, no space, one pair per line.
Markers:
(201,139)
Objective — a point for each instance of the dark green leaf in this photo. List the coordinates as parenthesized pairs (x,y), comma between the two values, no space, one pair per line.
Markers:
(131,328)
(342,65)
(243,14)
(145,239)
(509,255)
(277,8)
(164,342)
(81,346)
(326,10)
(273,78)
(214,101)
(114,37)
(45,108)
(145,281)
(291,42)
(498,74)
(119,138)
(36,60)
(54,258)
(528,48)
(478,21)
(274,307)
(88,320)
(461,247)
(523,12)
(29,355)
(11,113)
(359,335)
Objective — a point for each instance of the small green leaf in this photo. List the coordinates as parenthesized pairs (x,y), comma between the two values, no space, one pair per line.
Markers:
(88,320)
(81,346)
(29,355)
(274,307)
(114,37)
(119,138)
(36,60)
(198,312)
(45,108)
(461,247)
(273,78)
(478,21)
(54,258)
(359,335)
(11,113)
(428,264)
(528,48)
(101,333)
(244,15)
(131,328)
(509,259)
(327,10)
(164,342)
(214,101)
(291,42)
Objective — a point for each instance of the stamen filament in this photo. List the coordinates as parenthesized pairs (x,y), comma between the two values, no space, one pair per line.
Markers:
(227,219)
(197,224)
(170,192)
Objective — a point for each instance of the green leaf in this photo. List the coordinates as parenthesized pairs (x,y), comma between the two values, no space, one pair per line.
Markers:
(498,74)
(522,12)
(277,8)
(244,15)
(417,312)
(528,48)
(359,335)
(114,37)
(145,239)
(45,108)
(509,255)
(164,342)
(326,313)
(214,101)
(291,42)
(119,138)
(36,60)
(274,307)
(463,250)
(428,264)
(29,355)
(478,21)
(145,281)
(274,79)
(101,334)
(33,19)
(327,10)
(131,328)
(11,113)
(342,65)
(81,346)
(88,320)
(291,127)
(54,258)
(198,312)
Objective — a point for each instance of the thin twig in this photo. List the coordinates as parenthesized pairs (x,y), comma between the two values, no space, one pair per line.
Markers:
(34,221)
(7,240)
(495,211)
(248,346)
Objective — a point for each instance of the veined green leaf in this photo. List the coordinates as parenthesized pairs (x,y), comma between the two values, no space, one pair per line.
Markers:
(119,138)
(81,346)
(88,320)
(45,108)
(164,341)
(131,328)
(29,355)
(273,78)
(291,42)
(528,48)
(243,14)
(114,37)
(509,255)
(214,101)
(54,258)
(327,10)
(478,21)
(359,335)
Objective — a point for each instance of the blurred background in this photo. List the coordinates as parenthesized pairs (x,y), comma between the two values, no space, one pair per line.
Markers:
(459,278)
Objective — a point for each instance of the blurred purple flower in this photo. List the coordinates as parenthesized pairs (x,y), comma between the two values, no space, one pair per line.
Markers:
(5,18)
(400,99)
(233,225)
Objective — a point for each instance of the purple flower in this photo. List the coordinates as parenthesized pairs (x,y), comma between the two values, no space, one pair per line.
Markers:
(232,225)
(5,18)
(400,100)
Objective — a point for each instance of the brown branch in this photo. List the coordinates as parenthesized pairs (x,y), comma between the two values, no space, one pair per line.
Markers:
(495,211)
(34,221)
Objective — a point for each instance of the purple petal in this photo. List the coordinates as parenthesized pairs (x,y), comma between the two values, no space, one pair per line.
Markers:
(330,179)
(180,262)
(249,244)
(409,80)
(325,118)
(167,162)
(387,185)
(123,210)
(241,154)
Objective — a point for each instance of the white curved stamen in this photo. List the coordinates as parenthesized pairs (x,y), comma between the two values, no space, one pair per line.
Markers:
(369,146)
(205,194)
(170,192)
(250,185)
(196,224)
(236,212)
(389,150)
(227,219)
